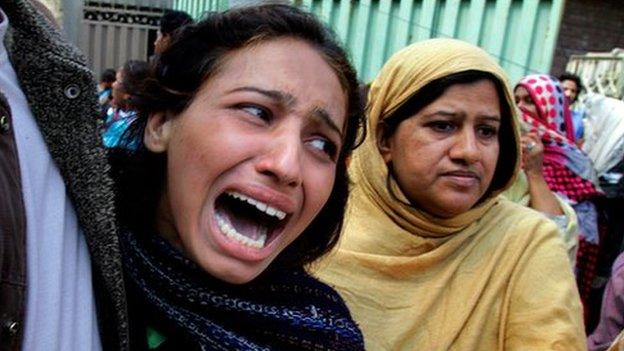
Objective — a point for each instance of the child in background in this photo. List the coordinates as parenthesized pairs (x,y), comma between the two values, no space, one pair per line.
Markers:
(121,112)
(105,87)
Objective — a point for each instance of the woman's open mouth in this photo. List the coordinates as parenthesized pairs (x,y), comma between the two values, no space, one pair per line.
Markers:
(248,221)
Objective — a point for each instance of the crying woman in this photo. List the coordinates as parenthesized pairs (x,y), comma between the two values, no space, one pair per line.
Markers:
(239,182)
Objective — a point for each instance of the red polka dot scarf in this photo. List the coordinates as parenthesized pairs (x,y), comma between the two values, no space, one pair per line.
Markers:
(567,169)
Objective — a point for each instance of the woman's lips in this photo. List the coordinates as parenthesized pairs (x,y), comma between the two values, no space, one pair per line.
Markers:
(261,195)
(462,178)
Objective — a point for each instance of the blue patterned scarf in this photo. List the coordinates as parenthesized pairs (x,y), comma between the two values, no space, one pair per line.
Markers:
(277,311)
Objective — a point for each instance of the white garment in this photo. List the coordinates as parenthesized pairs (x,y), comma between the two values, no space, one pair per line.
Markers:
(604,134)
(60,307)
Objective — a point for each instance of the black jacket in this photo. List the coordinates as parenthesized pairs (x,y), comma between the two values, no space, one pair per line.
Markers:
(61,92)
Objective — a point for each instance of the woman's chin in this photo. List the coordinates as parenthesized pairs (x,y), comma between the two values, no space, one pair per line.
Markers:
(232,270)
(230,260)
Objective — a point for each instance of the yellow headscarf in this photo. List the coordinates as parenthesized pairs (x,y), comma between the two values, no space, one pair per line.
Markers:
(403,75)
(493,278)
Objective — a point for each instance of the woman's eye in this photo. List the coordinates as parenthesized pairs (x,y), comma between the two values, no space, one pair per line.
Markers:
(442,126)
(488,132)
(257,111)
(324,146)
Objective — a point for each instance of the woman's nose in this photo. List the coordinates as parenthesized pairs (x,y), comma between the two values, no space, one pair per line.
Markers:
(466,148)
(521,104)
(282,159)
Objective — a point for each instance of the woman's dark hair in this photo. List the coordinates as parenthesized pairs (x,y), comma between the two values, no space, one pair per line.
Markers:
(108,76)
(135,74)
(195,54)
(172,20)
(573,77)
(506,162)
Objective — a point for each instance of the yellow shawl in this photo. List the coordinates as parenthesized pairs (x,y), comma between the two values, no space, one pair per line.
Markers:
(618,343)
(493,278)
(518,192)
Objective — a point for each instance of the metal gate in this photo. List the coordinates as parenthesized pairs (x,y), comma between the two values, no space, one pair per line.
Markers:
(601,72)
(197,8)
(520,34)
(115,31)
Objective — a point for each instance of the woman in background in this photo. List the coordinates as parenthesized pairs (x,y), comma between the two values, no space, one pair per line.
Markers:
(568,171)
(121,112)
(431,257)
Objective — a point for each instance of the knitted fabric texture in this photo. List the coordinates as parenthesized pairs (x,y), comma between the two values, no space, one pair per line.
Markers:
(69,127)
(283,310)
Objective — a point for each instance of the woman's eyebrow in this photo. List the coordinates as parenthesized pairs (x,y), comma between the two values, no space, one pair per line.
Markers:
(287,100)
(326,119)
(443,113)
(280,97)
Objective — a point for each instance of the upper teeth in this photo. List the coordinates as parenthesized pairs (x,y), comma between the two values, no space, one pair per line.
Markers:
(271,211)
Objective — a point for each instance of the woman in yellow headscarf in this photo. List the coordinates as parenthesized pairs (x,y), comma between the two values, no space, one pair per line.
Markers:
(432,258)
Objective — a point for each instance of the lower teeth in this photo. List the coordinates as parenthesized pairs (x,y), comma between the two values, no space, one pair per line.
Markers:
(231,233)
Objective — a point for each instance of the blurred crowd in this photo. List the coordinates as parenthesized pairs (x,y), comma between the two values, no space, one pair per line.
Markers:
(251,194)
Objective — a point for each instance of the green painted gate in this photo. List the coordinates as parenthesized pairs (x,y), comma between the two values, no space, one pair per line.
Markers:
(520,34)
(197,8)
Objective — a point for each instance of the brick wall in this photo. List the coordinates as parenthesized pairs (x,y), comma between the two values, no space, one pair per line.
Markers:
(588,25)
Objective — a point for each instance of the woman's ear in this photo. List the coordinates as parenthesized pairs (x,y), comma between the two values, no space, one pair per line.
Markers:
(157,132)
(383,142)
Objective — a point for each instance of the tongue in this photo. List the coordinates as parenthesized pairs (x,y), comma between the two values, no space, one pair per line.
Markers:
(244,225)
